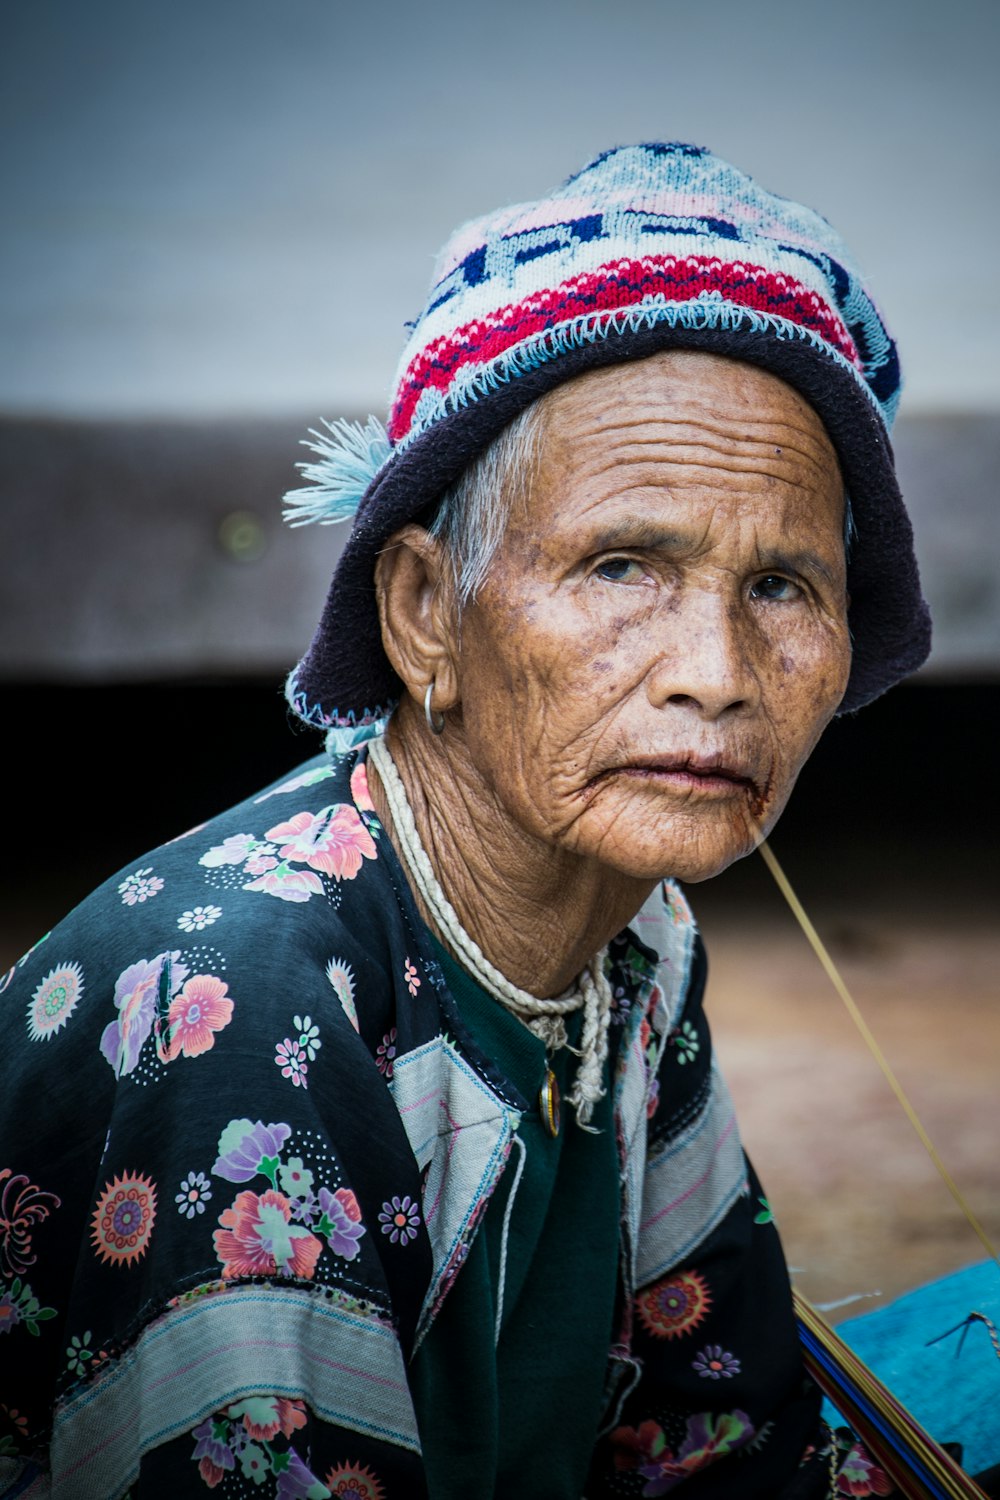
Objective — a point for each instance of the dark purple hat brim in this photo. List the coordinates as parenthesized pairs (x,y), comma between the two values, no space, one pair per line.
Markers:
(345,675)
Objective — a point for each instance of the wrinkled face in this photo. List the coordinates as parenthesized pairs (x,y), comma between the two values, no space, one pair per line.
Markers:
(663,636)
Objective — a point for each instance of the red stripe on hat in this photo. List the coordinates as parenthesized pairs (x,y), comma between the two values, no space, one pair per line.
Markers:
(616,286)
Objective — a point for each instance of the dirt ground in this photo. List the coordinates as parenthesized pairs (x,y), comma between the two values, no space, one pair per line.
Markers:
(862,1211)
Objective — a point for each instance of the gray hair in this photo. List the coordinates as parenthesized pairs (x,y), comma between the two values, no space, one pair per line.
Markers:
(472,514)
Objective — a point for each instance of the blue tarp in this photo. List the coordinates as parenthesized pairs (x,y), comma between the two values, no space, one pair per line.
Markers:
(955,1397)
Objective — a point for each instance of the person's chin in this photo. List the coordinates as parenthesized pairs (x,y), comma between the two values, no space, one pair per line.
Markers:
(691,849)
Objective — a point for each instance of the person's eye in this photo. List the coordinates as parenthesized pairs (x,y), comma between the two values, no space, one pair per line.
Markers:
(774,586)
(618,570)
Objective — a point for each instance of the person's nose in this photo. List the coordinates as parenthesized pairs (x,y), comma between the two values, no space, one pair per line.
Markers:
(706,658)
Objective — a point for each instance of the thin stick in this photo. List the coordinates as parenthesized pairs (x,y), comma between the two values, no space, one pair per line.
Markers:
(833,974)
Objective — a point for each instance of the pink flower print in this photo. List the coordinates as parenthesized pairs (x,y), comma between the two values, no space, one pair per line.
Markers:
(859,1476)
(264,1417)
(341,1221)
(411,977)
(709,1437)
(140,886)
(232,851)
(644,1448)
(286,884)
(359,788)
(291,1059)
(385,1054)
(716,1363)
(22,1207)
(54,1001)
(400,1220)
(259,864)
(258,1238)
(333,840)
(210,1472)
(200,1010)
(135,998)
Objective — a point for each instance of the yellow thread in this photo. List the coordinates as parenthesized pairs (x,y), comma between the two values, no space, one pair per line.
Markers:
(833,973)
(949,1476)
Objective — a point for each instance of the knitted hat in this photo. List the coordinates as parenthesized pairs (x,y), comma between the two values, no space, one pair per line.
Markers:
(649,247)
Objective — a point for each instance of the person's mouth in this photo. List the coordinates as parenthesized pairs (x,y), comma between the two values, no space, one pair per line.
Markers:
(688,772)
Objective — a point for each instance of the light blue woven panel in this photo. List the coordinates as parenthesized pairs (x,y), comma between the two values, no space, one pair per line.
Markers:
(956,1398)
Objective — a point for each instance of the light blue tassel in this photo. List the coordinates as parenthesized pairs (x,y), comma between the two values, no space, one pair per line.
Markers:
(349,457)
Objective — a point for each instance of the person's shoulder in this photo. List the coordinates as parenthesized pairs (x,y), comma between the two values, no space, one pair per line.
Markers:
(187,1056)
(258,890)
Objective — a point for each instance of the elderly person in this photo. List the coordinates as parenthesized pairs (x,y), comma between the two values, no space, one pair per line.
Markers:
(366,1141)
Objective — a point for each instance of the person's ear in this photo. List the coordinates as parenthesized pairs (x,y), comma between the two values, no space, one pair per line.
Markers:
(417,613)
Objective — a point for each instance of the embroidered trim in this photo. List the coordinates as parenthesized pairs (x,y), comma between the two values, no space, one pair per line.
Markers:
(691,1184)
(372,720)
(225,1347)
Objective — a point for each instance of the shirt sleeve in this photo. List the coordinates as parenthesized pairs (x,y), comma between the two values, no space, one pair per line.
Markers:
(192,1277)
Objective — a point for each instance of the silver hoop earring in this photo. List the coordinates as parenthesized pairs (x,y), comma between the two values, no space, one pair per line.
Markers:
(435,722)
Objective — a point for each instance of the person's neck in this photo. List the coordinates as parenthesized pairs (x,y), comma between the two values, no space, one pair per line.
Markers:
(539,913)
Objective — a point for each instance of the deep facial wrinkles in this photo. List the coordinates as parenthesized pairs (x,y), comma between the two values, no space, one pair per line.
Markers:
(613,726)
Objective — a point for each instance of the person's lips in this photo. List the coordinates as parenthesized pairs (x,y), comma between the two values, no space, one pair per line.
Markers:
(712,774)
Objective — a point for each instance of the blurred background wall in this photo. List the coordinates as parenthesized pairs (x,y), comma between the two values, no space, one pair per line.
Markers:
(217,215)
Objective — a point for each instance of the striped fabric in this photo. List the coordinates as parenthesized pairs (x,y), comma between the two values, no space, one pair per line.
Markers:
(652,233)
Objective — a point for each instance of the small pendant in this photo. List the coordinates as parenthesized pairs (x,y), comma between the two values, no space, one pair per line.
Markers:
(548,1102)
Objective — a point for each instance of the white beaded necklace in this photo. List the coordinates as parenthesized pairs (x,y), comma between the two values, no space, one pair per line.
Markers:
(545,1018)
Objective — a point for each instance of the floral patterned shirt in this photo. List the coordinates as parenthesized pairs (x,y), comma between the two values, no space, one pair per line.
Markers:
(209,1277)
